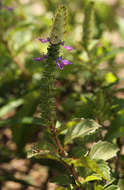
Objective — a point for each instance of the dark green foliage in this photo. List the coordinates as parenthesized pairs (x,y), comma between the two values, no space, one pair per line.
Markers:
(70,120)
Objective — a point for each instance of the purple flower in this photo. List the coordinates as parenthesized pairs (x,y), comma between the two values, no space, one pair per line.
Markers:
(5,7)
(69,48)
(40,58)
(61,63)
(45,40)
(8,8)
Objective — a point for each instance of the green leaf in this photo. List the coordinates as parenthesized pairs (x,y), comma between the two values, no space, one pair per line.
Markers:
(31,120)
(61,180)
(110,78)
(19,131)
(44,149)
(5,122)
(103,166)
(109,55)
(81,128)
(41,154)
(10,106)
(116,128)
(103,150)
(92,177)
(112,187)
(99,187)
(109,183)
(100,167)
(24,120)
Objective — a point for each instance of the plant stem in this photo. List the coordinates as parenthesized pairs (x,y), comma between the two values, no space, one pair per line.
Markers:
(71,170)
(61,150)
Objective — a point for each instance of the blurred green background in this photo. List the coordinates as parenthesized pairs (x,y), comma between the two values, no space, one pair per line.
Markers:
(20,81)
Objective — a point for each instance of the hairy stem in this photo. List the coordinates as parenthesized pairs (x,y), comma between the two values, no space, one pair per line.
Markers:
(48,112)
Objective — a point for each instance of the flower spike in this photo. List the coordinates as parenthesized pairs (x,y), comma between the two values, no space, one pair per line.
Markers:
(58,27)
(57,36)
(53,60)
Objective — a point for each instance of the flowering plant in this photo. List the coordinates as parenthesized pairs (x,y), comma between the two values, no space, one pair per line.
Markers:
(66,113)
(80,127)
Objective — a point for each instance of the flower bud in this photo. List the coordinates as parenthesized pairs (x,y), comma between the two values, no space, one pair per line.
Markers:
(58,27)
